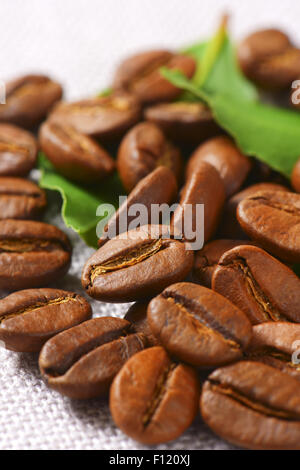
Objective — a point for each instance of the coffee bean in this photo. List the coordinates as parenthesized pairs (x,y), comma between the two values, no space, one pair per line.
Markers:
(258,284)
(198,326)
(272,219)
(275,344)
(82,361)
(152,399)
(137,316)
(75,155)
(29,99)
(143,149)
(140,75)
(203,186)
(253,405)
(221,152)
(32,254)
(20,199)
(136,265)
(268,58)
(18,151)
(159,187)
(28,318)
(206,260)
(184,121)
(229,227)
(296,177)
(106,117)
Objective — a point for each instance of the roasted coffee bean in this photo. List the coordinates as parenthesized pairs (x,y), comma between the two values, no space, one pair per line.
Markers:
(136,265)
(221,152)
(272,219)
(268,58)
(20,199)
(206,260)
(152,399)
(82,361)
(277,345)
(28,318)
(159,187)
(106,117)
(296,177)
(32,254)
(140,75)
(137,316)
(229,227)
(253,405)
(18,150)
(198,326)
(184,121)
(258,284)
(75,155)
(142,150)
(29,99)
(203,186)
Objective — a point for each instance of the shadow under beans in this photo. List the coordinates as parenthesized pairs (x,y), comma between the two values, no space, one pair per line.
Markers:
(94,411)
(69,282)
(28,362)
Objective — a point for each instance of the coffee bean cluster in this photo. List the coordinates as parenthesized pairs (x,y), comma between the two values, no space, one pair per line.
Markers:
(212,330)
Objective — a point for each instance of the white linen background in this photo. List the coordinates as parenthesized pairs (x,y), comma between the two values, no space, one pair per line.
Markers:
(79,42)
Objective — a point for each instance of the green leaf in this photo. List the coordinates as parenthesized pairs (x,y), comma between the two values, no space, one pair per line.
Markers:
(211,52)
(196,50)
(226,78)
(80,203)
(266,132)
(105,92)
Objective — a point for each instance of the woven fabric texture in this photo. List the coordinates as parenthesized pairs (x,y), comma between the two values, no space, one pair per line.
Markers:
(79,43)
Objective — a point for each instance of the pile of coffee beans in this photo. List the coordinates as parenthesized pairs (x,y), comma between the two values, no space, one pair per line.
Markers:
(214,330)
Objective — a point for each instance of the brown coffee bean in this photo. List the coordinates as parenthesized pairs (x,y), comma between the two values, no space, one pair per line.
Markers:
(152,399)
(296,177)
(106,117)
(29,99)
(268,58)
(229,227)
(143,149)
(75,155)
(136,265)
(18,150)
(206,260)
(159,187)
(203,186)
(253,405)
(221,152)
(184,121)
(275,344)
(82,361)
(272,219)
(198,326)
(140,75)
(258,284)
(32,254)
(137,316)
(20,199)
(28,318)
